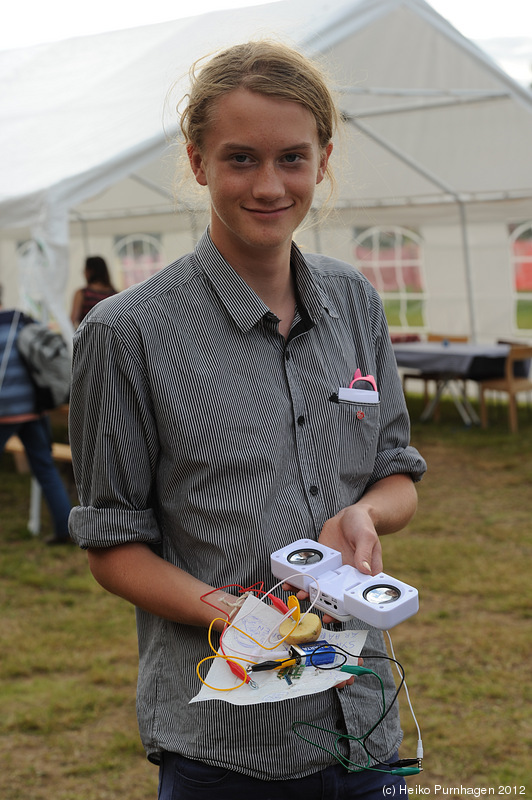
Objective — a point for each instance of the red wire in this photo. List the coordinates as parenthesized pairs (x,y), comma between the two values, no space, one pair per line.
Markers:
(237,669)
(231,586)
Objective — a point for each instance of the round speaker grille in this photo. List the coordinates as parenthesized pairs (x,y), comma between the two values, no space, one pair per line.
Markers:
(382,594)
(303,557)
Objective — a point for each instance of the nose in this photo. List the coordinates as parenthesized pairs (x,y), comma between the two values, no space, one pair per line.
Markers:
(267,183)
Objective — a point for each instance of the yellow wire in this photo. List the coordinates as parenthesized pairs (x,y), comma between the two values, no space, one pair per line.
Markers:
(220,655)
(245,633)
(233,658)
(216,688)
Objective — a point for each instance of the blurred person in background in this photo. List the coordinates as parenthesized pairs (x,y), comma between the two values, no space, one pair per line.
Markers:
(19,416)
(98,287)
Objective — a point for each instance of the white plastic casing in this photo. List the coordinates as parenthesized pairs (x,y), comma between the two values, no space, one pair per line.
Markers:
(343,589)
(282,568)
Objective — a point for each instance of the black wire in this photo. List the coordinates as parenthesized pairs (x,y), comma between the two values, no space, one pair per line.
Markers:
(326,648)
(390,706)
(365,655)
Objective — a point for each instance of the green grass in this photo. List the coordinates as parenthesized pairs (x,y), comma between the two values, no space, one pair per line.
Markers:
(69,653)
(523,313)
(68,669)
(469,551)
(414,311)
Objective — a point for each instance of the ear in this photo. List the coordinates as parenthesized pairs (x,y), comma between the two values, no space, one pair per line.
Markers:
(196,164)
(324,160)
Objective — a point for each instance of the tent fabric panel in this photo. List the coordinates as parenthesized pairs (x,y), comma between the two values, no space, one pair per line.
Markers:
(106,95)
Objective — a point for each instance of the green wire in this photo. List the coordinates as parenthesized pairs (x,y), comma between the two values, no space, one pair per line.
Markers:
(345,762)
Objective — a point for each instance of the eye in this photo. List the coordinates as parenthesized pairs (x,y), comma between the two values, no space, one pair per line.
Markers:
(292,158)
(240,158)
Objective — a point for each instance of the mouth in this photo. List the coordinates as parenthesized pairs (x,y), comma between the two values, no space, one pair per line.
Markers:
(268,212)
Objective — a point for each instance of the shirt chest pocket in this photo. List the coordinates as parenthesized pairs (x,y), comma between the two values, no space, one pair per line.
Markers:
(357,439)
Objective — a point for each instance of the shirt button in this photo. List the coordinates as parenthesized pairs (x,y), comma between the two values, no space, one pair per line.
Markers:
(287,355)
(314,490)
(301,420)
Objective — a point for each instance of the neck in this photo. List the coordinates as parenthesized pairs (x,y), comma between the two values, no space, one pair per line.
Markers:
(266,271)
(276,289)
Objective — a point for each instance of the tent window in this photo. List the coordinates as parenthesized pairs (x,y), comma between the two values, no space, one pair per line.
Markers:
(138,257)
(392,260)
(521,258)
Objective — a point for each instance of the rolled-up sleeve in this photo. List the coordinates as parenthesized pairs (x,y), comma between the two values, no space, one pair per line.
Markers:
(113,439)
(394,453)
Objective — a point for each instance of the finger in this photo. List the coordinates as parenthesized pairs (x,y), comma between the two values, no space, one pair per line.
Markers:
(368,557)
(348,682)
(300,594)
(376,560)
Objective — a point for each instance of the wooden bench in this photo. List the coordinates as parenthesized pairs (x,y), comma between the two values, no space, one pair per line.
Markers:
(60,452)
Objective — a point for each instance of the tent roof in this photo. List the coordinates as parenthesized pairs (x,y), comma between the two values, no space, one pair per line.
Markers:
(432,117)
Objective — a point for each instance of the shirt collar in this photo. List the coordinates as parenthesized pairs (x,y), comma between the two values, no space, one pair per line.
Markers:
(242,303)
(311,296)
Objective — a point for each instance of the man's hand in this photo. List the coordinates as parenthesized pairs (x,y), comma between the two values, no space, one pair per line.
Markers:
(352,532)
(387,506)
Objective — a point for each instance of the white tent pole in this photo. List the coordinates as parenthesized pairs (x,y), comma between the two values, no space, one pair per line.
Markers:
(34,521)
(465,95)
(193,226)
(441,99)
(410,162)
(468,270)
(154,187)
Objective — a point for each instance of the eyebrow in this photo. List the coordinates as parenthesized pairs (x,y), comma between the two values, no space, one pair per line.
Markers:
(234,146)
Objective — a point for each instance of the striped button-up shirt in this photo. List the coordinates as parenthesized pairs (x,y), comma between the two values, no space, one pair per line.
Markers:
(196,428)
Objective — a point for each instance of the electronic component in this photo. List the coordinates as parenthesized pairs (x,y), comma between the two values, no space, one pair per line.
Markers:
(379,600)
(314,654)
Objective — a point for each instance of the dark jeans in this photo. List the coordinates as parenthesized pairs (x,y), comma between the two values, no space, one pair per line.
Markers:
(36,438)
(183,779)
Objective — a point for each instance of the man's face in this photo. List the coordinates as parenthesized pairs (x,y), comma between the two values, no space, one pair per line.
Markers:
(261,161)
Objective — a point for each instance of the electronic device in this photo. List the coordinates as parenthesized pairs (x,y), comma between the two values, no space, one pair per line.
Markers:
(344,592)
(314,654)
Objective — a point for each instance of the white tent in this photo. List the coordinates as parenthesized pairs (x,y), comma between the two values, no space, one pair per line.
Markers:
(438,140)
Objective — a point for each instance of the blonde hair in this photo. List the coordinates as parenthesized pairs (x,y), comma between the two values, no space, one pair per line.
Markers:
(265,67)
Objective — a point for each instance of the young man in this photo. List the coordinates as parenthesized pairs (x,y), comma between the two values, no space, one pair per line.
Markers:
(206,435)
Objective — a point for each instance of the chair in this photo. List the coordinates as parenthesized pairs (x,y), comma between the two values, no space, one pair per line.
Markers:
(513,383)
(427,377)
